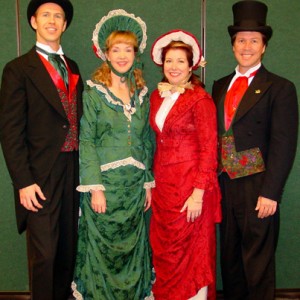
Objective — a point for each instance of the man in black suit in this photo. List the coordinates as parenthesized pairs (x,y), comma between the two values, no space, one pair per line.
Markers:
(258,122)
(40,111)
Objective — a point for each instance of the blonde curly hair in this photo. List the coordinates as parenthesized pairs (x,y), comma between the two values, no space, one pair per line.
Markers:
(103,73)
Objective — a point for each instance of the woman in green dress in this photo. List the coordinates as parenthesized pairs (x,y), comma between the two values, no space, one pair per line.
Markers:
(113,259)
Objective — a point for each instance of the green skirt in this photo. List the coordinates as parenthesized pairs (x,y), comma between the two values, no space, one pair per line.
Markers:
(113,256)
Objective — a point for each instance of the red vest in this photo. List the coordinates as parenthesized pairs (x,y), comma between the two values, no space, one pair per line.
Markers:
(68,99)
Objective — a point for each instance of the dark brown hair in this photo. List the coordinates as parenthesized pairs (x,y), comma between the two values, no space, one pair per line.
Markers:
(264,39)
(189,55)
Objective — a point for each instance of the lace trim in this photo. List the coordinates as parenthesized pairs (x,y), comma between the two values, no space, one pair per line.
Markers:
(127,109)
(122,163)
(88,188)
(76,293)
(149,185)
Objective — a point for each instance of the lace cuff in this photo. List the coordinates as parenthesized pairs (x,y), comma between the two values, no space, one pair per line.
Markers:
(149,185)
(89,188)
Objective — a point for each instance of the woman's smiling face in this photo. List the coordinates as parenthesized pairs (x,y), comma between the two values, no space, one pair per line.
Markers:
(121,56)
(176,66)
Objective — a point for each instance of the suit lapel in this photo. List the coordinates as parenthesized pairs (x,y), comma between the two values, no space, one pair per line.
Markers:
(155,103)
(43,82)
(220,90)
(219,94)
(184,102)
(73,76)
(76,82)
(254,93)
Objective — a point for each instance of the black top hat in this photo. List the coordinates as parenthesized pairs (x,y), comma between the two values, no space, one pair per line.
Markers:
(66,5)
(250,15)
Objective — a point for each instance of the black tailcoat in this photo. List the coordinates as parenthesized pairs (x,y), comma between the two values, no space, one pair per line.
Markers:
(33,123)
(267,118)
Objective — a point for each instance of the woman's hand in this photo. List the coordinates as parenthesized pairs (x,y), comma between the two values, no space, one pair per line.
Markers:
(98,202)
(193,205)
(148,199)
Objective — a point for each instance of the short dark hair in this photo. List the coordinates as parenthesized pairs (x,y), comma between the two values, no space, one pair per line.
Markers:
(264,39)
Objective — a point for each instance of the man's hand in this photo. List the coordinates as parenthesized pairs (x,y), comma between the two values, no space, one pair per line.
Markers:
(265,207)
(28,197)
(98,202)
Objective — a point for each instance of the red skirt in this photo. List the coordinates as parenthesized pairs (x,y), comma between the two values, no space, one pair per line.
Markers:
(184,253)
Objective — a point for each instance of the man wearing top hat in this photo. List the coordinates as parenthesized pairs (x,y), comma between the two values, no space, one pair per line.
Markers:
(39,116)
(258,121)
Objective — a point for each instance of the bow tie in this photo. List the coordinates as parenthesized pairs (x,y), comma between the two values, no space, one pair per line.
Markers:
(165,86)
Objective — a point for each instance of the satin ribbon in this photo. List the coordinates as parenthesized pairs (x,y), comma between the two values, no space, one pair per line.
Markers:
(129,78)
(165,86)
(58,63)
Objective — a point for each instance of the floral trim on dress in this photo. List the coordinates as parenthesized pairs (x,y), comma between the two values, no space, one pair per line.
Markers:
(128,110)
(92,187)
(122,163)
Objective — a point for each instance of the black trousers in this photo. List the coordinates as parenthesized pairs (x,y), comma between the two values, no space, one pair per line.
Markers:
(248,243)
(52,232)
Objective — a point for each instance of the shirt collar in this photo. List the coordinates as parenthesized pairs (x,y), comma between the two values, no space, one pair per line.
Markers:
(247,74)
(49,49)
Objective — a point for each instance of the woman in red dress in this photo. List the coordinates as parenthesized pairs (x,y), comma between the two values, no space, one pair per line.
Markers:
(186,200)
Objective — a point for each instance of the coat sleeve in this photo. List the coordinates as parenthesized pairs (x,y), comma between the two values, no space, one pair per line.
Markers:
(89,161)
(206,127)
(283,139)
(13,120)
(149,140)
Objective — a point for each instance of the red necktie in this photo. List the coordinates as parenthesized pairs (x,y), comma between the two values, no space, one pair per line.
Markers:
(234,97)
